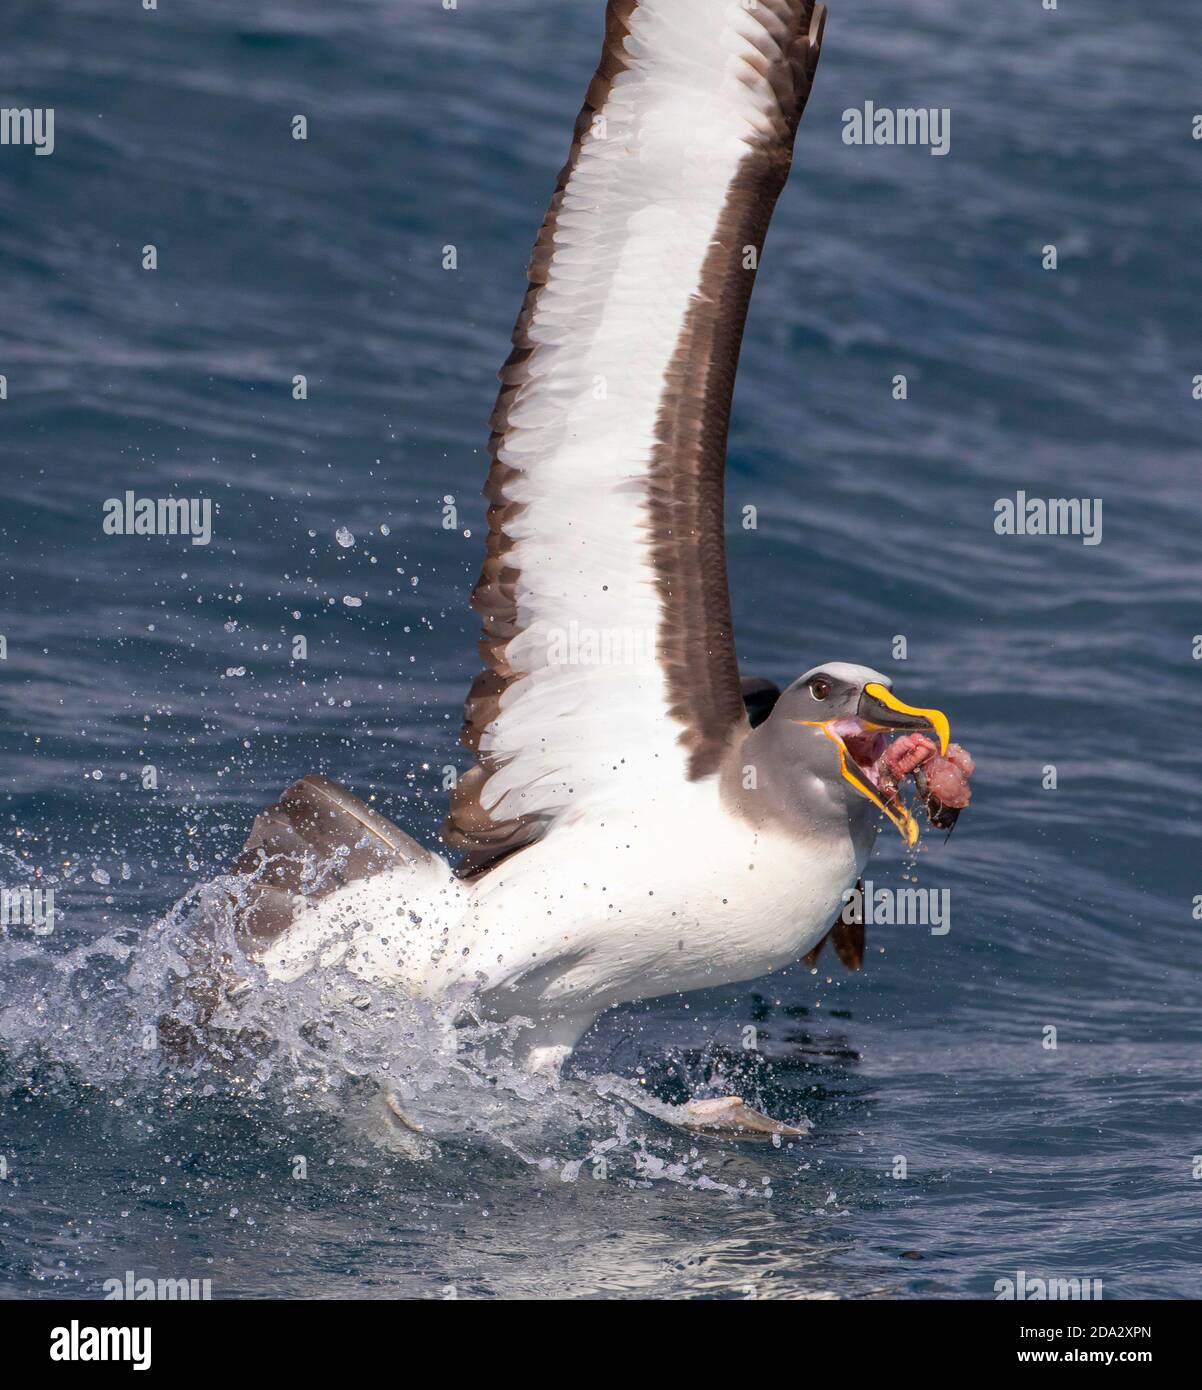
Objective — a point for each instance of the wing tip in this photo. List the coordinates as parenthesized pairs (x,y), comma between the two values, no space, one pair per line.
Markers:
(314,821)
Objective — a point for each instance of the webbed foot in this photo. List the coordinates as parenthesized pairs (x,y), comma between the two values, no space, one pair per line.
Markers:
(406,1135)
(730,1115)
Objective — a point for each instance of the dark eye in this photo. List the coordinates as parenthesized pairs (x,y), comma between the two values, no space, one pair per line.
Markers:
(820,688)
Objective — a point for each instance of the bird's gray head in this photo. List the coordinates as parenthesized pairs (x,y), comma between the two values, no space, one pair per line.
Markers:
(824,735)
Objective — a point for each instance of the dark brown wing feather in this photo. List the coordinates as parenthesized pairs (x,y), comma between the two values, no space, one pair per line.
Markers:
(316,838)
(846,937)
(469,828)
(688,482)
(759,698)
(315,824)
(684,509)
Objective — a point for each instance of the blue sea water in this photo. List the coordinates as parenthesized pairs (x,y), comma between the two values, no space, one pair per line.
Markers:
(1072,906)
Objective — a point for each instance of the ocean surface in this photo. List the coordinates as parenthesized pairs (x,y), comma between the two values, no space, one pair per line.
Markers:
(951,1145)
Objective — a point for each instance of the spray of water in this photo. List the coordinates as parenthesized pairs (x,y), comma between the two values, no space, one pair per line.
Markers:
(178,1016)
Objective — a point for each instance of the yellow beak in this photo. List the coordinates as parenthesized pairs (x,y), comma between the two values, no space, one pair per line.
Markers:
(935,719)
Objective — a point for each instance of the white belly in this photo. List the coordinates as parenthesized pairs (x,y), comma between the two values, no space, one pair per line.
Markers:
(664,899)
(669,899)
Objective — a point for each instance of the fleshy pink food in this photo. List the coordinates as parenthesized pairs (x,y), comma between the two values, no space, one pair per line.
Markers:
(906,753)
(942,780)
(947,782)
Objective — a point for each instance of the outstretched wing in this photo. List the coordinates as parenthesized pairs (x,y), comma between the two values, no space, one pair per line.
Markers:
(609,661)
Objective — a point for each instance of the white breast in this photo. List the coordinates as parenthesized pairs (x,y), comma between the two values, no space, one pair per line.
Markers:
(658,900)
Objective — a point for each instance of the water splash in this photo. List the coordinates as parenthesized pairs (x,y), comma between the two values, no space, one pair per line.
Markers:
(178,1016)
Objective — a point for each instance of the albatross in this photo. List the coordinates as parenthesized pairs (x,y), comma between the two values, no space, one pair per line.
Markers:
(638,820)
